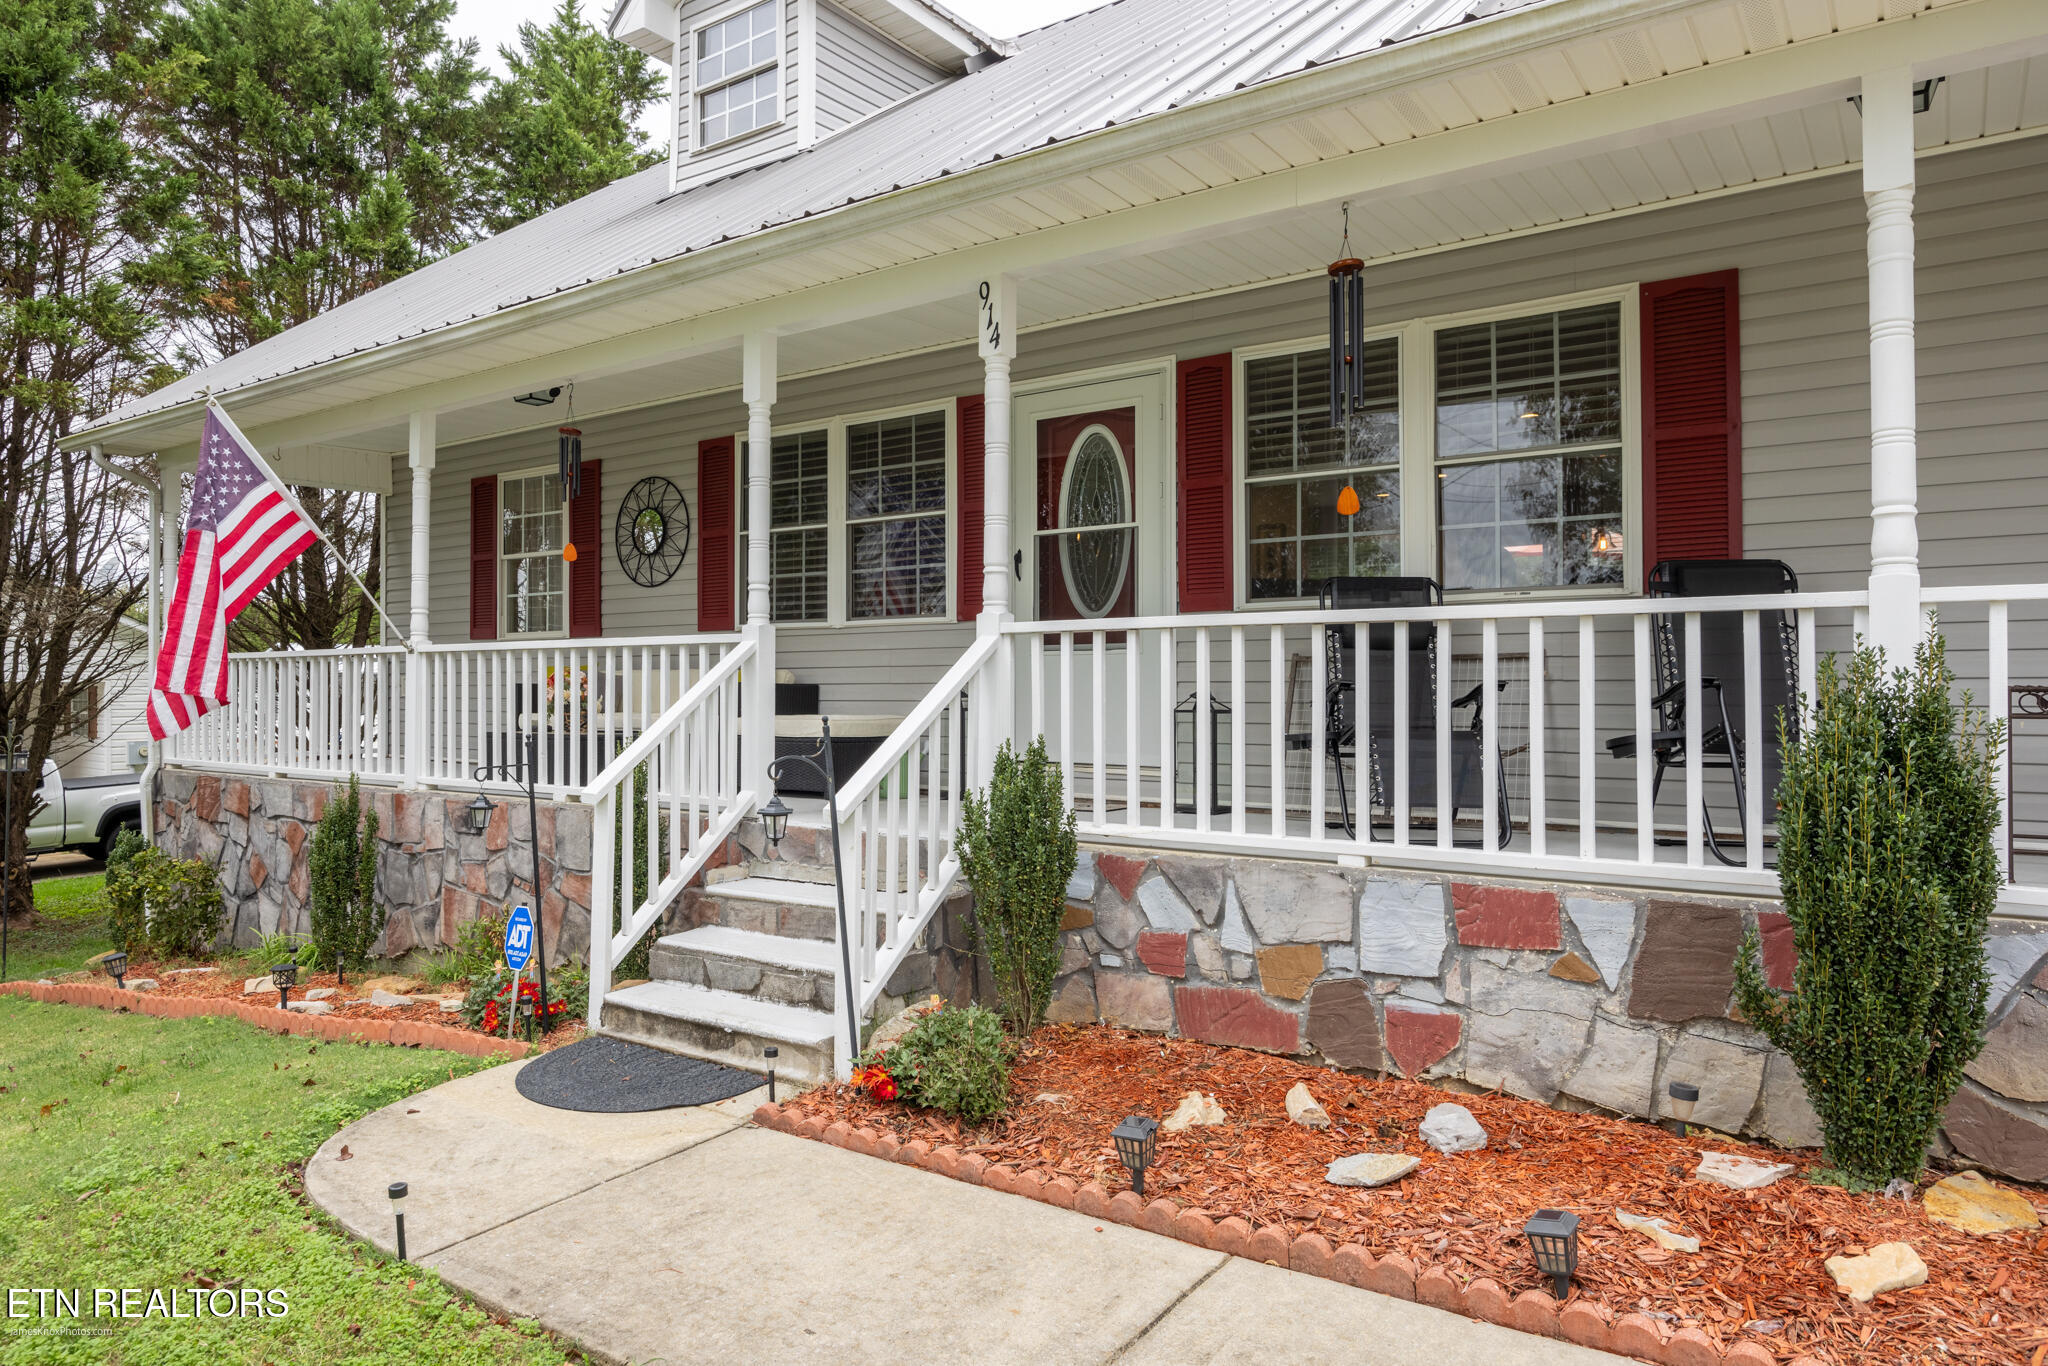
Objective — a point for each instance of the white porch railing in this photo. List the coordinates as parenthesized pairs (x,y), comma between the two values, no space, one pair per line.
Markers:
(661,809)
(312,713)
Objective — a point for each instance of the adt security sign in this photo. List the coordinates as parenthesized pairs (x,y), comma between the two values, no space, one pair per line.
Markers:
(519,939)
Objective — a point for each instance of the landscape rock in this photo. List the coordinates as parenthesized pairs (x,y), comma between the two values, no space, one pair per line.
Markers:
(1572,968)
(1341,1024)
(1303,1110)
(1618,1071)
(1686,966)
(190,972)
(1164,908)
(1236,1017)
(310,1007)
(1495,917)
(1659,1231)
(1401,927)
(1997,1135)
(399,986)
(253,985)
(1728,1075)
(321,993)
(1888,1266)
(1523,1052)
(141,984)
(1738,1172)
(1194,1108)
(381,997)
(1371,1169)
(1287,970)
(1451,1128)
(1136,1002)
(1294,904)
(1788,1115)
(1164,954)
(2014,1062)
(1418,1038)
(450,1004)
(1968,1202)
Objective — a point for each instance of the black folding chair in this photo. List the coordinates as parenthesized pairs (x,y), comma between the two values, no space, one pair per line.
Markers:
(1341,722)
(1722,742)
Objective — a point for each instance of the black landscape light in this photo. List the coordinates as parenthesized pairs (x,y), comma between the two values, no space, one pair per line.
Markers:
(771,1052)
(282,975)
(1553,1236)
(397,1194)
(1135,1139)
(1684,1095)
(116,965)
(476,817)
(775,819)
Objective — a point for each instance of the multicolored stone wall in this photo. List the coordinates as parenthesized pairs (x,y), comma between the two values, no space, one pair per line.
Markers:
(1573,997)
(432,879)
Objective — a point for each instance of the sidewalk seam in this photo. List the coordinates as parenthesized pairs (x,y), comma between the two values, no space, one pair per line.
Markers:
(1222,1260)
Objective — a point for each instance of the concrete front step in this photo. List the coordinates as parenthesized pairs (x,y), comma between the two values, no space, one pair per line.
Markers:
(723,1027)
(780,906)
(771,967)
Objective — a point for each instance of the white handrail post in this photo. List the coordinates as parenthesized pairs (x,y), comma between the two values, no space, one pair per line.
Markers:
(757,704)
(420,456)
(603,863)
(1896,623)
(995,699)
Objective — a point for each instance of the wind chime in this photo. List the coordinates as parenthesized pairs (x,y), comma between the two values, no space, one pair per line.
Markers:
(569,464)
(1347,351)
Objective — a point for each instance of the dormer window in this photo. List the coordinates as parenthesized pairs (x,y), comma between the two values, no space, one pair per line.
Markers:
(737,77)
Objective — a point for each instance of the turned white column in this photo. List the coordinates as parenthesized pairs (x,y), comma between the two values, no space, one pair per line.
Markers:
(1896,623)
(997,337)
(757,726)
(420,458)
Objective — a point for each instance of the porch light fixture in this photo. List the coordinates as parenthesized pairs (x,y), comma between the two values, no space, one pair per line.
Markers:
(1135,1140)
(775,819)
(540,398)
(282,976)
(1347,333)
(397,1193)
(1684,1095)
(1553,1236)
(771,1053)
(1923,95)
(476,817)
(116,965)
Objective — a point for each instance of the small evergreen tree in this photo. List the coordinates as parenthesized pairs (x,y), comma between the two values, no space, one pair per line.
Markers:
(342,874)
(1017,848)
(1889,873)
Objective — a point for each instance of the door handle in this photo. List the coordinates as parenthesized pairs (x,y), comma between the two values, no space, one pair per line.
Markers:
(1018,563)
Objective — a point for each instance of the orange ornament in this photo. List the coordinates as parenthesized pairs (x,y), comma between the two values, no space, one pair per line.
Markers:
(1347,501)
(569,550)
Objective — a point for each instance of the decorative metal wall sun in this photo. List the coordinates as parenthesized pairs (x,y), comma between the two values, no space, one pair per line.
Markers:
(653,531)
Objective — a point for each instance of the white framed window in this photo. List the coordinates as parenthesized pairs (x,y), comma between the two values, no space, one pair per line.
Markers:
(896,543)
(799,525)
(736,74)
(533,578)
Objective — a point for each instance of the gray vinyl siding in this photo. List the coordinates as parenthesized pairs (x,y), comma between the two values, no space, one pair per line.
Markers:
(693,167)
(1983,393)
(860,71)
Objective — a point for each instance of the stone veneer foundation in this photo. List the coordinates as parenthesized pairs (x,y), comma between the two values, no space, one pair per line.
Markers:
(1570,996)
(431,879)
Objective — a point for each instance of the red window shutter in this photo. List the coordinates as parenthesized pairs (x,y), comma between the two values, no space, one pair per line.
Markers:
(483,558)
(586,571)
(969,435)
(715,535)
(1207,555)
(1692,420)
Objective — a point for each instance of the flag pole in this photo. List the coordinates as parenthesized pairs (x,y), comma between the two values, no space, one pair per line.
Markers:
(292,498)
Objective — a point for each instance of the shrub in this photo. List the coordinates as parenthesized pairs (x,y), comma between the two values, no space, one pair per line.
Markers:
(127,917)
(171,906)
(1017,848)
(342,869)
(1887,809)
(479,948)
(956,1060)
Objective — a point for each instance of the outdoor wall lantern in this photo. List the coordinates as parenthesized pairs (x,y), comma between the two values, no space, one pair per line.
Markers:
(771,1052)
(116,965)
(397,1194)
(775,819)
(1553,1236)
(282,975)
(1135,1139)
(1684,1095)
(476,817)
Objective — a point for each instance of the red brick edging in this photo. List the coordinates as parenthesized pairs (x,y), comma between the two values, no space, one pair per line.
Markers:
(406,1033)
(1588,1323)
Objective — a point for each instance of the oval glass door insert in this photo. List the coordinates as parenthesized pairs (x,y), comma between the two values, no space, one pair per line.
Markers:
(1095,522)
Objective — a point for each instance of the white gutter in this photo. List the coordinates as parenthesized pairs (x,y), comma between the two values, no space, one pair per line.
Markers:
(153,569)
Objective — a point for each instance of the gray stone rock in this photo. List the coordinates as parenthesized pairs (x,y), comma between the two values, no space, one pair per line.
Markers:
(2011,959)
(310,1007)
(1729,1077)
(1371,1169)
(1199,880)
(1607,929)
(1241,965)
(1116,919)
(1236,933)
(1523,1052)
(1208,956)
(320,993)
(1618,1071)
(1737,1172)
(1081,886)
(450,1004)
(1451,1128)
(1164,909)
(2014,1062)
(381,997)
(1073,1003)
(1290,904)
(1429,992)
(1341,958)
(1498,990)
(1136,1001)
(1073,957)
(141,984)
(728,974)
(572,838)
(1401,927)
(1788,1117)
(1109,960)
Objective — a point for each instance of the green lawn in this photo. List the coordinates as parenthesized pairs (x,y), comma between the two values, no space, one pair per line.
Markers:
(71,926)
(144,1153)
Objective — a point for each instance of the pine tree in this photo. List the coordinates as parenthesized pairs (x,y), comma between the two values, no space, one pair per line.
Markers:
(341,866)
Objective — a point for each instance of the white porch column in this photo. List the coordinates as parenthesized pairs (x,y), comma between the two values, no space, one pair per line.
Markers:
(1896,623)
(420,457)
(757,727)
(997,337)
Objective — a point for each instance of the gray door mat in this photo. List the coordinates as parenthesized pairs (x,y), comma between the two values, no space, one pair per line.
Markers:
(611,1076)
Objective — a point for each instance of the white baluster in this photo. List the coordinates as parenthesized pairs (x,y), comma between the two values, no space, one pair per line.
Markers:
(1489,732)
(1445,803)
(1205,758)
(1646,810)
(1754,741)
(1067,717)
(1695,703)
(1098,713)
(1169,754)
(1134,794)
(1276,728)
(1539,815)
(1589,810)
(1238,708)
(1318,725)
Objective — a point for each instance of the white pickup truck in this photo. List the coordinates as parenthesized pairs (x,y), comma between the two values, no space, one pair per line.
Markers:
(86,814)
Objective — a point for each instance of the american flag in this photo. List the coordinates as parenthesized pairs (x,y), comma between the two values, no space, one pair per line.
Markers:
(240,532)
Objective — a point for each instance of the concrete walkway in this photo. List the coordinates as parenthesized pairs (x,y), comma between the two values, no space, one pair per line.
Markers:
(687,1236)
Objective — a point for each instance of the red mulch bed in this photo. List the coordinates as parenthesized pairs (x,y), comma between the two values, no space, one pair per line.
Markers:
(351,1003)
(1758,1278)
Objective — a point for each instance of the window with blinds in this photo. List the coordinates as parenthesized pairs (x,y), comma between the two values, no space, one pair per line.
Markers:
(532,529)
(1297,467)
(798,503)
(896,517)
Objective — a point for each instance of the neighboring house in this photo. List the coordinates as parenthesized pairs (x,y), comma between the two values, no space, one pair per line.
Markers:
(1037,338)
(107,724)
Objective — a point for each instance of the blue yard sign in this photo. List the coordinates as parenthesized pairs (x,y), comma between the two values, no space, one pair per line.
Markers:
(519,939)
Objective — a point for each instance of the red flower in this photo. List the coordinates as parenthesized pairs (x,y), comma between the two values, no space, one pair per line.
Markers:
(876,1081)
(490,1017)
